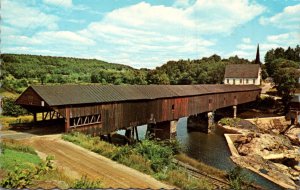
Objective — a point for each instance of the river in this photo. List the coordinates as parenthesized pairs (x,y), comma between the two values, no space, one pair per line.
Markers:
(211,149)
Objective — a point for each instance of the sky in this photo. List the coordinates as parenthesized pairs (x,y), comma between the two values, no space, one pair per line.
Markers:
(147,34)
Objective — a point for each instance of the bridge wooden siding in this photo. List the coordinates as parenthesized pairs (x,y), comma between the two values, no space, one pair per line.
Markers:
(120,107)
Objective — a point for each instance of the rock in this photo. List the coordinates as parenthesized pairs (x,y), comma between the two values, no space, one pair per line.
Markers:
(293,134)
(241,140)
(297,168)
(266,144)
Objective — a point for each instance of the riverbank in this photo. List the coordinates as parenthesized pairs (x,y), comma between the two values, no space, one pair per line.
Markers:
(267,146)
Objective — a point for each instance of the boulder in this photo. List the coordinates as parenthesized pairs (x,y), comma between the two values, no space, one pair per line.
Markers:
(294,135)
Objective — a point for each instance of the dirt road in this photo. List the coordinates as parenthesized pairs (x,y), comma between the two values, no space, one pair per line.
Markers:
(77,161)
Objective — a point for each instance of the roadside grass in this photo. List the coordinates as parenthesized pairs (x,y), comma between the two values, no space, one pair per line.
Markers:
(7,120)
(10,158)
(23,168)
(150,157)
(201,166)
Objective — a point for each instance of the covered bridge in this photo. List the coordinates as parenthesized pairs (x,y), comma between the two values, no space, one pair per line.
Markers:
(102,109)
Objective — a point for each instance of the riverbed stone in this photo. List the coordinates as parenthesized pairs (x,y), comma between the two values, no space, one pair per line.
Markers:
(293,134)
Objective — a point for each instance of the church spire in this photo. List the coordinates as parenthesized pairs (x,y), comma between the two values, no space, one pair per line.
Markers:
(257,60)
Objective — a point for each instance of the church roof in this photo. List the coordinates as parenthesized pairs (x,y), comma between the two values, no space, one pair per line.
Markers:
(242,71)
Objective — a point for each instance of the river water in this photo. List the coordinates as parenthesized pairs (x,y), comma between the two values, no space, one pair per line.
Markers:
(211,149)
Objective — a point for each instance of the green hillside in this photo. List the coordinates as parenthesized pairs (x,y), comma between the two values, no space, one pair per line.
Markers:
(19,71)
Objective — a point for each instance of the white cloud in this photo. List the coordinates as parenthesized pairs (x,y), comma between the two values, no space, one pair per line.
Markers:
(216,16)
(145,35)
(62,3)
(247,46)
(182,3)
(145,30)
(284,40)
(288,19)
(64,39)
(19,15)
(246,40)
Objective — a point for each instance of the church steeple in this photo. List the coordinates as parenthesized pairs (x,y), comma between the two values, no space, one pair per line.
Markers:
(257,59)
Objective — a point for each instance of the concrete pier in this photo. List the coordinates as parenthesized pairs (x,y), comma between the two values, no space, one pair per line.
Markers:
(162,130)
(203,122)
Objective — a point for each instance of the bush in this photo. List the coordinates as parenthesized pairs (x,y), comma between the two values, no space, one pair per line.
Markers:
(19,178)
(9,108)
(85,183)
(159,156)
(22,178)
(232,122)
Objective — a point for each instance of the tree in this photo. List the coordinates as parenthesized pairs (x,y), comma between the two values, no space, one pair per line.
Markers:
(286,80)
(9,108)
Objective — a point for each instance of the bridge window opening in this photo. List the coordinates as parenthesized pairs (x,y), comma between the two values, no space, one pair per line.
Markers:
(173,107)
(210,101)
(253,81)
(227,81)
(247,81)
(241,81)
(233,81)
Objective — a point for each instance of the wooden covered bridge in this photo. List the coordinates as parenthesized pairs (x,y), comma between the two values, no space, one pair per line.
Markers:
(102,109)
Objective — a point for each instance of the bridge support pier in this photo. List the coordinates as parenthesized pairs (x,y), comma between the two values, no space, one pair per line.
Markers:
(162,130)
(211,123)
(234,111)
(203,122)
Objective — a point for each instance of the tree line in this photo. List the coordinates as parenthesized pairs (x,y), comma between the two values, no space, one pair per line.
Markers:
(19,71)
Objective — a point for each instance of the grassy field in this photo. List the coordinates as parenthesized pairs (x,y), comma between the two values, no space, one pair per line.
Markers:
(5,93)
(150,157)
(21,167)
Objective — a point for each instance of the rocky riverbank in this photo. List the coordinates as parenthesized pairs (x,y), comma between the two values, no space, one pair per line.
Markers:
(267,146)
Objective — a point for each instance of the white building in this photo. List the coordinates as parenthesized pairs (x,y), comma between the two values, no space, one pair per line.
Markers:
(243,74)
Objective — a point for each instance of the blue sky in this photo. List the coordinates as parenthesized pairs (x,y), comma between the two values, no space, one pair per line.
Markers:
(148,33)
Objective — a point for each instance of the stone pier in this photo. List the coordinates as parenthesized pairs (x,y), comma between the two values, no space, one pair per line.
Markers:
(203,122)
(234,111)
(163,130)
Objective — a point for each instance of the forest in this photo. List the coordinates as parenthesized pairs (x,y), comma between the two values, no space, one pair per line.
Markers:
(19,71)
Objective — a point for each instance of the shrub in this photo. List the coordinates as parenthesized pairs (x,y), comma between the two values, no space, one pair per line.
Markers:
(85,183)
(9,108)
(159,156)
(232,122)
(19,178)
(22,178)
(137,162)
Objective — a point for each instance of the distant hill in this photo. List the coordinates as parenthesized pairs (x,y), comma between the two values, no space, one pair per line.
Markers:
(19,70)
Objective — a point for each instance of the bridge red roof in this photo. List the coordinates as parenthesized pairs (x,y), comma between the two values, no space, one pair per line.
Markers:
(57,95)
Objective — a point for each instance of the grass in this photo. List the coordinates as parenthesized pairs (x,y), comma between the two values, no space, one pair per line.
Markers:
(10,158)
(182,179)
(17,160)
(7,120)
(150,157)
(17,147)
(201,166)
(5,93)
